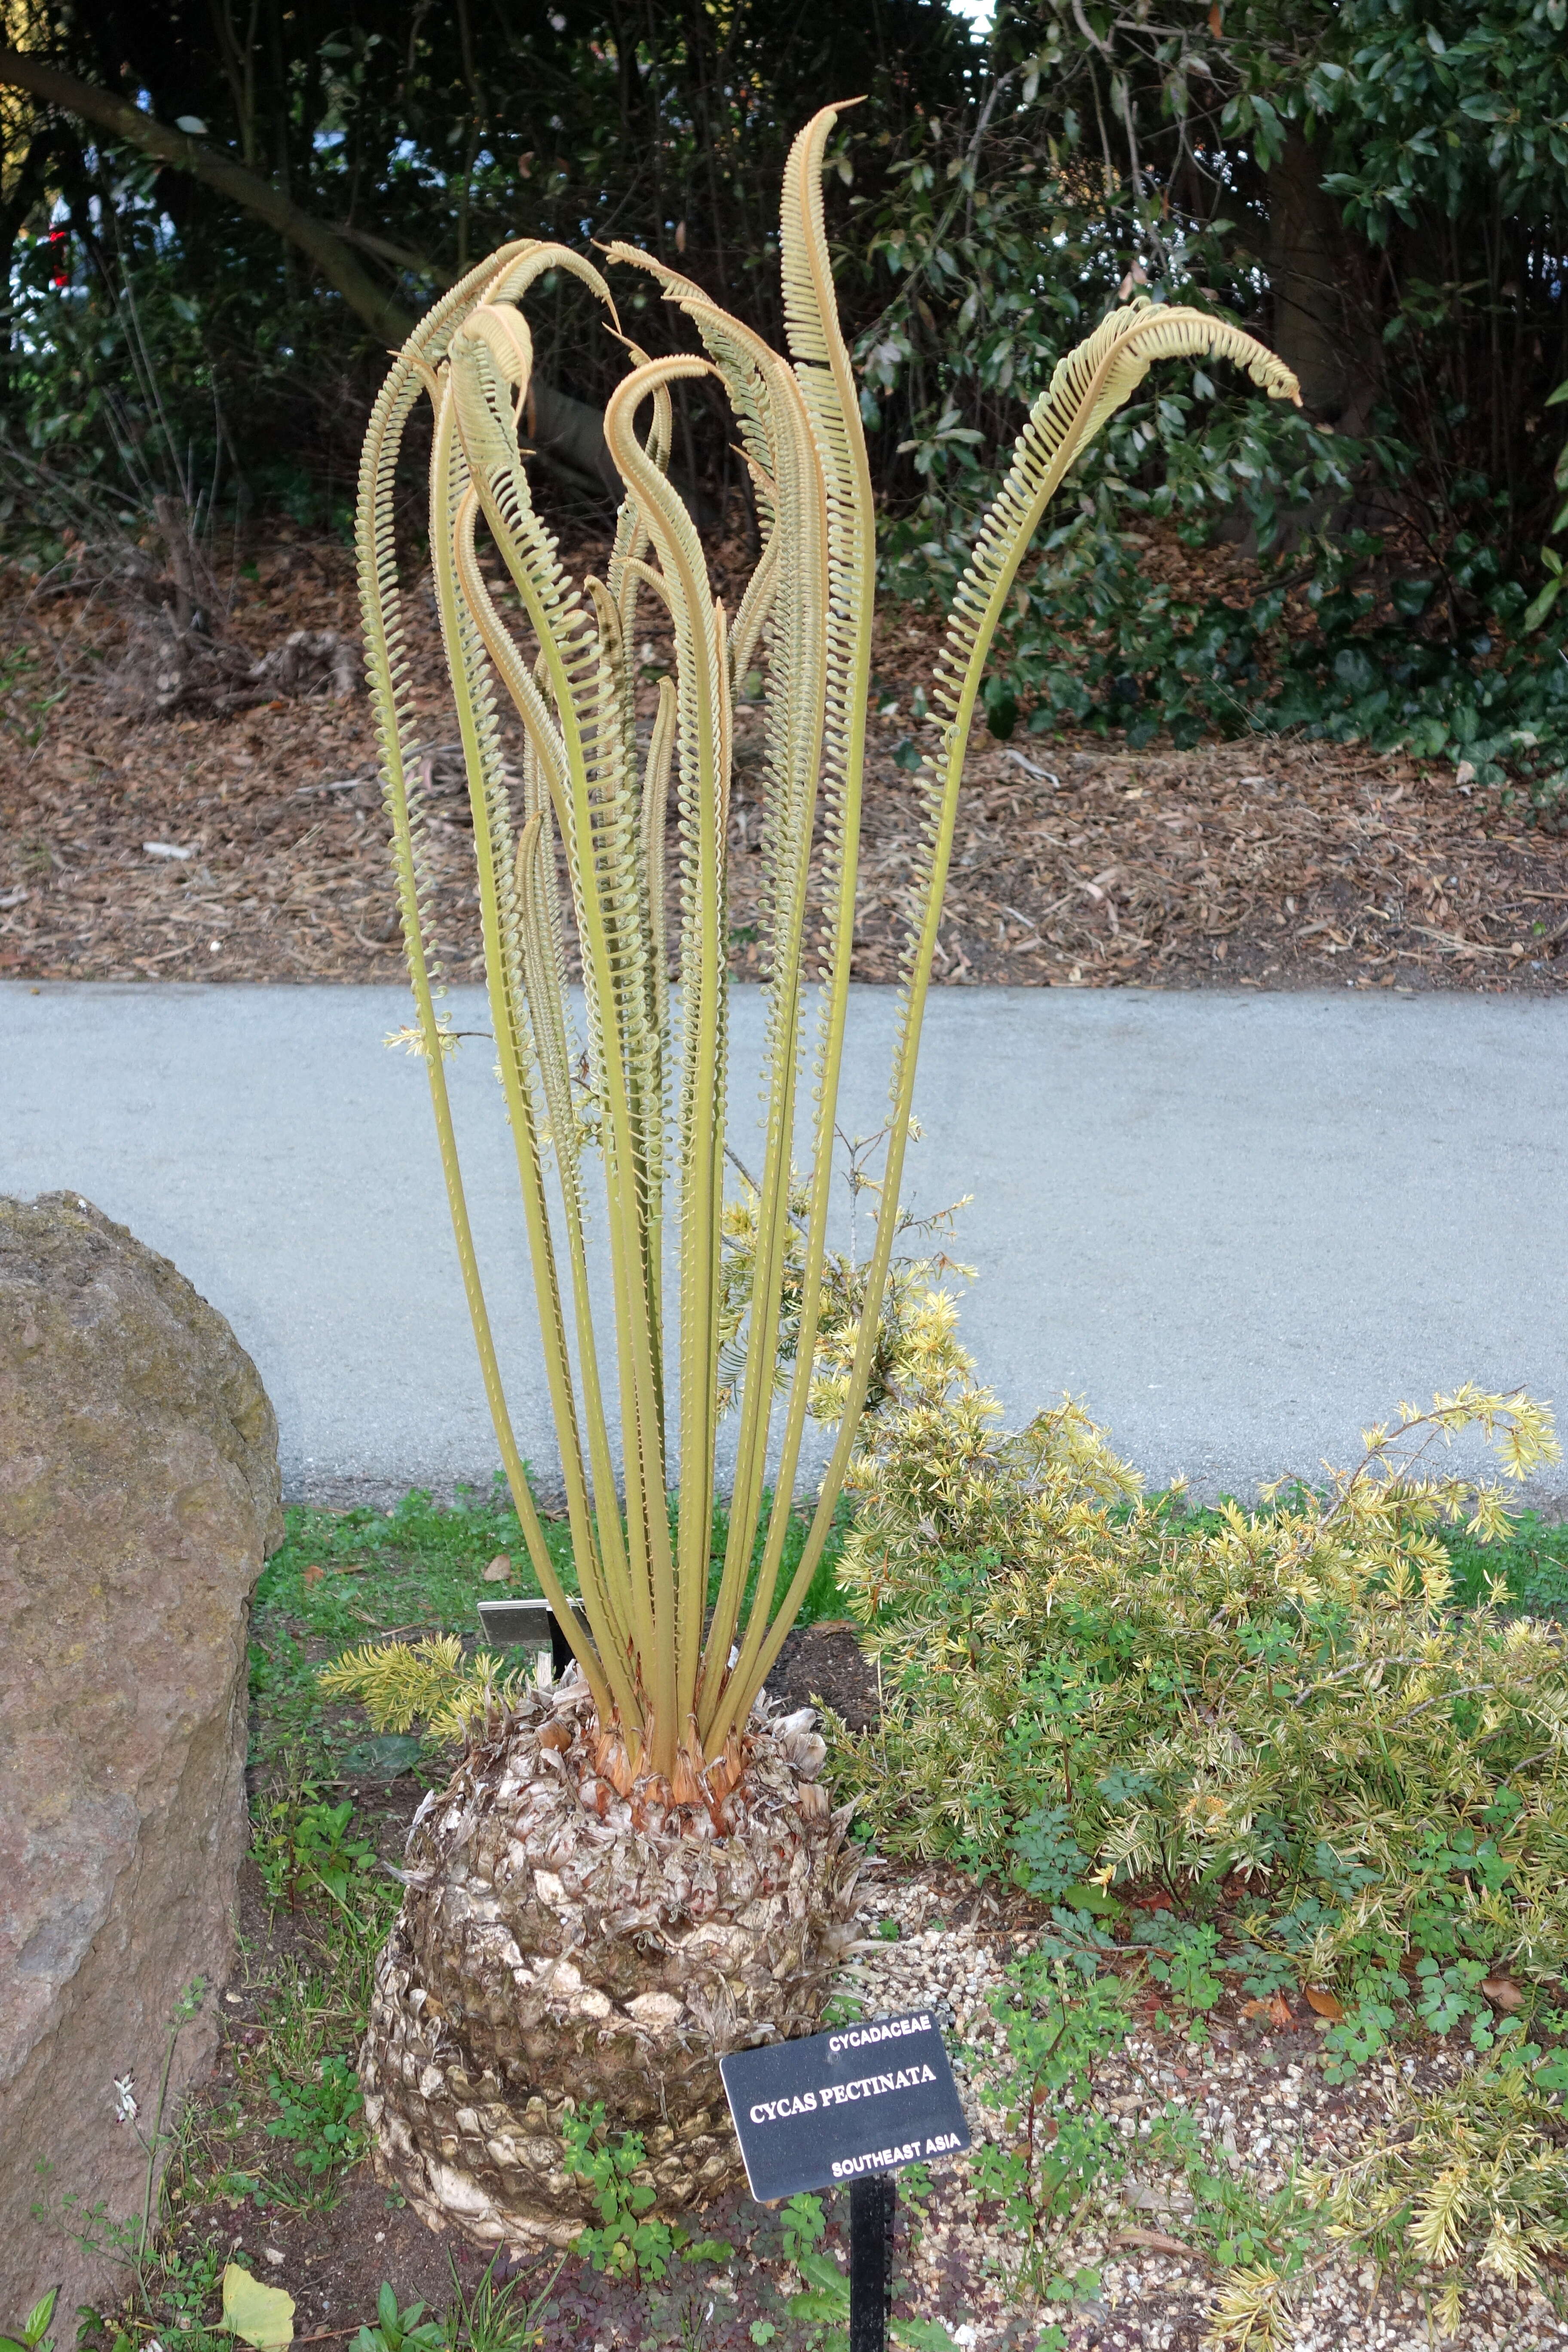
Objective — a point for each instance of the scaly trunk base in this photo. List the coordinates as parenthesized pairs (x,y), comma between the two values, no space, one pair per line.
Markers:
(560,1943)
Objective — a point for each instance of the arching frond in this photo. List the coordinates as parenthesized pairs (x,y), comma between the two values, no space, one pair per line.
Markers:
(638,1115)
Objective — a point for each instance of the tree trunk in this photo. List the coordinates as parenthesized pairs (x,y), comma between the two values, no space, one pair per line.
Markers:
(559,1945)
(1320,326)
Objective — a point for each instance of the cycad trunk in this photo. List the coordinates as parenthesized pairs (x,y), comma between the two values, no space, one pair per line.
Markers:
(561,1942)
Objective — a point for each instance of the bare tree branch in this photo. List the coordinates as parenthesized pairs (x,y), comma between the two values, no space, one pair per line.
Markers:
(567,430)
(331,255)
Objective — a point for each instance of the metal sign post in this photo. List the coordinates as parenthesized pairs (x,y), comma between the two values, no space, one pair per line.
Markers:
(851,2107)
(873,2202)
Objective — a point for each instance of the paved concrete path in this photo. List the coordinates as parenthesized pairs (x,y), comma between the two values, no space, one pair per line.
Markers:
(1240,1227)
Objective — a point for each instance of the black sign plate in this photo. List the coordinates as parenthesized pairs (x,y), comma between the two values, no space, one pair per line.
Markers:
(525,1623)
(864,2098)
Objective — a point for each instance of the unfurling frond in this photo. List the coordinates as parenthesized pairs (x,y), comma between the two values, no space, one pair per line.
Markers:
(417,1041)
(594,825)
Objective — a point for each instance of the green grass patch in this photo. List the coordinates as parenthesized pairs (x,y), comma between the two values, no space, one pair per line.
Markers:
(343,1578)
(1533,1563)
(1530,1561)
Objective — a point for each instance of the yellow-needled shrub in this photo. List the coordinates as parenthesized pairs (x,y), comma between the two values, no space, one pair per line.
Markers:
(1277,1714)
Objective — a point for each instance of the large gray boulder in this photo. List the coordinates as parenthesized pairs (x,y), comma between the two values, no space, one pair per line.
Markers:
(138,1497)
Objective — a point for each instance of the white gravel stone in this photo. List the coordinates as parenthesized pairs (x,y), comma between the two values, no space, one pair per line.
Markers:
(1244,2103)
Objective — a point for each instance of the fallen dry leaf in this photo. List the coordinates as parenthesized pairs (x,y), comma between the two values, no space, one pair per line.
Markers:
(1277,2009)
(500,1570)
(313,1575)
(258,2314)
(1502,1992)
(1327,2004)
(1157,2243)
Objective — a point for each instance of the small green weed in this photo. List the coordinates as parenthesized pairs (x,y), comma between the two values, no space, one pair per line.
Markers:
(1047,1858)
(318,2120)
(492,2318)
(1240,2229)
(308,2016)
(1229,2221)
(318,1997)
(1056,2028)
(171,2290)
(822,2302)
(628,2244)
(95,2334)
(1184,1962)
(300,1841)
(184,2286)
(804,2226)
(400,2331)
(33,2333)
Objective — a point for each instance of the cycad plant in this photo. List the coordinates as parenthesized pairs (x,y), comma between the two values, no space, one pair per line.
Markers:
(704,1908)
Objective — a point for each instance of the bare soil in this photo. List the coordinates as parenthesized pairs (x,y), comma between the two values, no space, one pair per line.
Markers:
(825,1664)
(1261,862)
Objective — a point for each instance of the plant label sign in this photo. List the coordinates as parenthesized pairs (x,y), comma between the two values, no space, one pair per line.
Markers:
(864,2098)
(531,1625)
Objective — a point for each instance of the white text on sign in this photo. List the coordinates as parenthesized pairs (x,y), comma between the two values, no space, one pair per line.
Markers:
(838,2094)
(886,2029)
(879,2160)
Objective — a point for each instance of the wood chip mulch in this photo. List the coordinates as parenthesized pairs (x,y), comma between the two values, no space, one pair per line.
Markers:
(252,846)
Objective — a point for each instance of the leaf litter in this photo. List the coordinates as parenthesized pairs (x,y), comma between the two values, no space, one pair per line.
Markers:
(250,845)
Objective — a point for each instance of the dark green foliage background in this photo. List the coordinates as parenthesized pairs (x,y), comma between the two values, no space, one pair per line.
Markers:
(1379,187)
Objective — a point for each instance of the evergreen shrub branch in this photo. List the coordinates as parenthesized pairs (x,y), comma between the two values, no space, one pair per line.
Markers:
(1282,1707)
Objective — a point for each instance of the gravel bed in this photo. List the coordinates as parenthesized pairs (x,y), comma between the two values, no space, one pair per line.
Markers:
(1259,2101)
